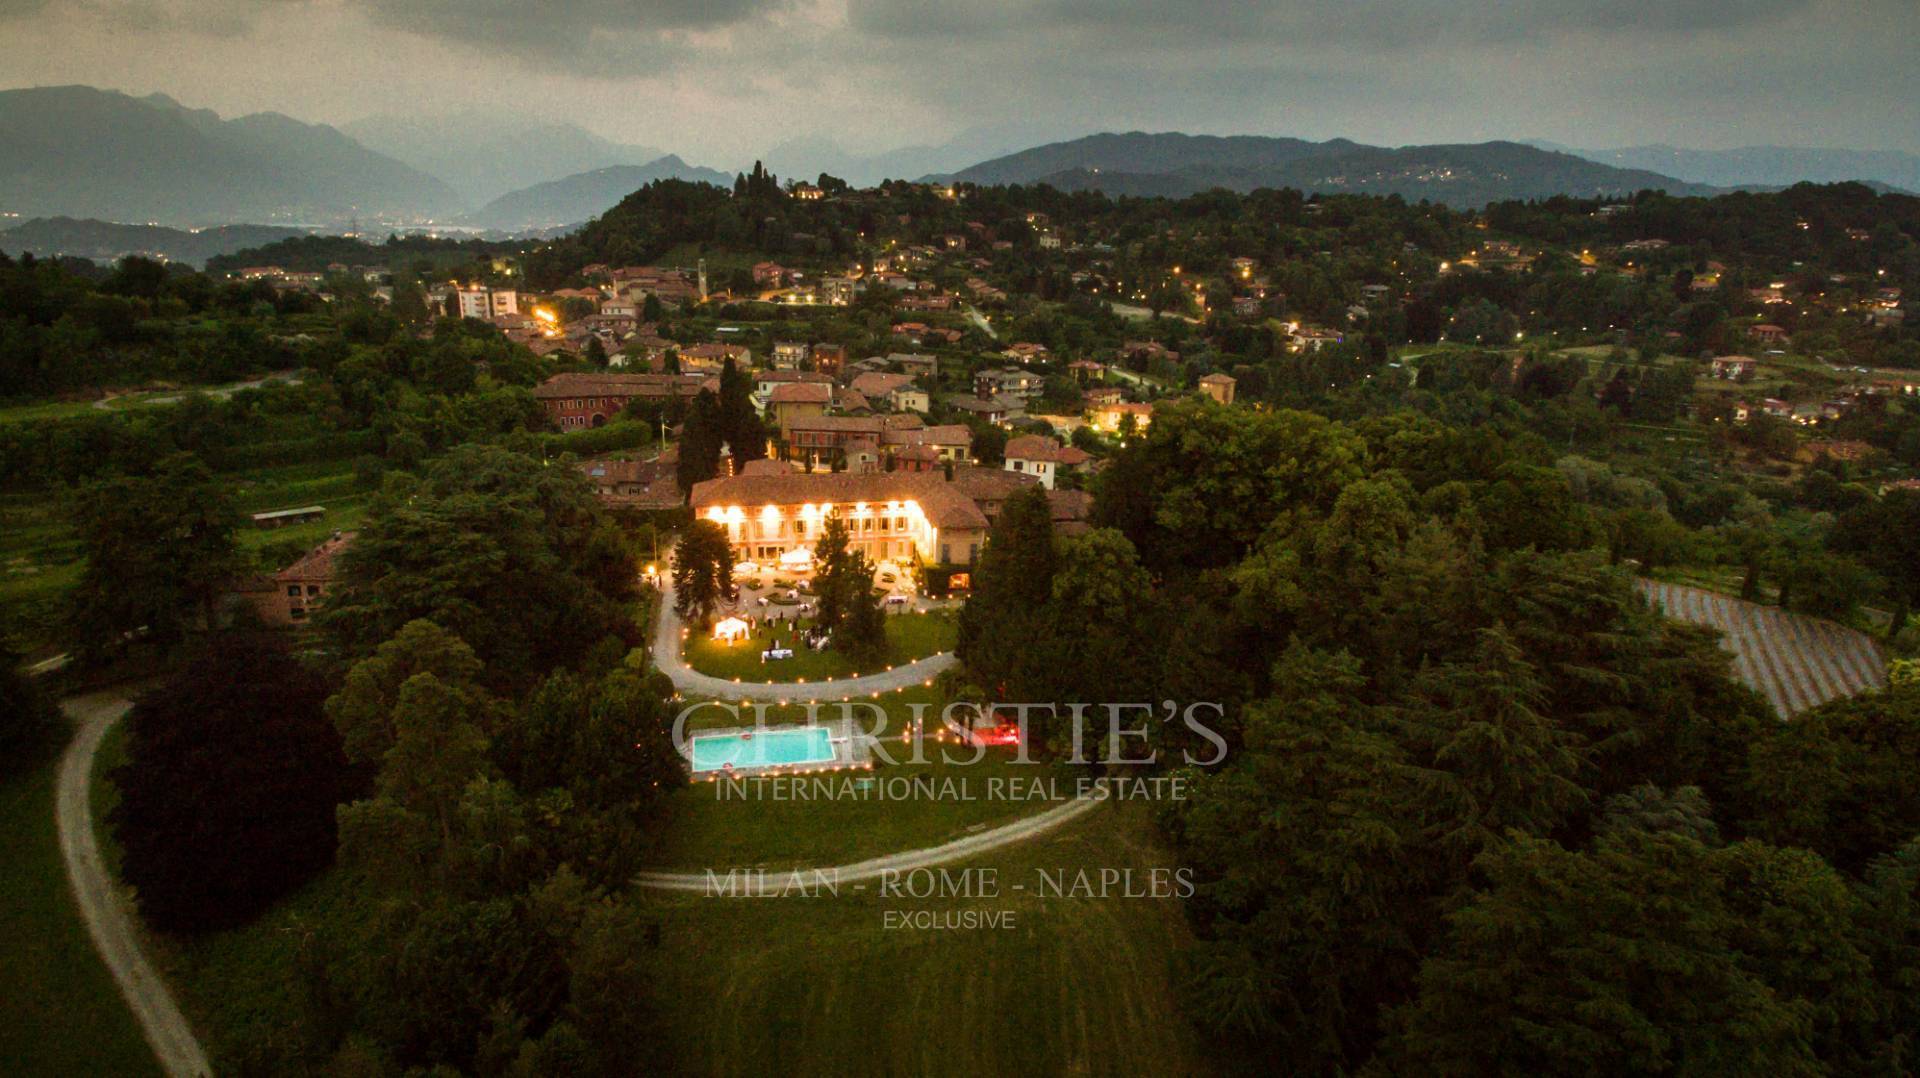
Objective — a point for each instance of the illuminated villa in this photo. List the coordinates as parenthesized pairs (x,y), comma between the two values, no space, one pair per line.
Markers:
(902,516)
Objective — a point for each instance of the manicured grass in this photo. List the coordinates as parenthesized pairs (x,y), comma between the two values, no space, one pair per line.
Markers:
(909,637)
(1079,985)
(910,805)
(60,1012)
(822,985)
(240,989)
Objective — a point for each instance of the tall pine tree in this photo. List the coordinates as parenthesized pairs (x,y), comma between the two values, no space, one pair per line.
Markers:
(1011,585)
(700,438)
(740,426)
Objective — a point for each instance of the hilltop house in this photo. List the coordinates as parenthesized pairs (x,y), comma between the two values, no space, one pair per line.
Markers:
(791,402)
(1218,386)
(1042,457)
(1734,368)
(301,587)
(1109,418)
(634,484)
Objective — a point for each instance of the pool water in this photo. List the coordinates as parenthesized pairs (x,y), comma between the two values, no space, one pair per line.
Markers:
(764,748)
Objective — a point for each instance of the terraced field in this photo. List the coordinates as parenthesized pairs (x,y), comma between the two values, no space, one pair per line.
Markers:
(1797,662)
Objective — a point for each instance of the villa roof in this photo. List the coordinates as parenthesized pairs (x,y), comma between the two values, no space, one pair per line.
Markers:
(944,503)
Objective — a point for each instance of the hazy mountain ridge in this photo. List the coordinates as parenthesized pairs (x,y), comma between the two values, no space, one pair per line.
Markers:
(81,152)
(1174,165)
(1139,152)
(484,155)
(806,157)
(576,199)
(1762,166)
(105,241)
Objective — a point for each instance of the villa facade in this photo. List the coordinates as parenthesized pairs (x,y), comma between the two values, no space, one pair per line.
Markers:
(900,516)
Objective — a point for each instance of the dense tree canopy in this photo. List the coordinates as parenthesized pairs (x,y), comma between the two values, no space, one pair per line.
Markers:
(516,558)
(702,573)
(227,797)
(159,551)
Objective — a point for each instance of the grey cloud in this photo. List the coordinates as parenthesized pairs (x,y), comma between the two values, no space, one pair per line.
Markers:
(1356,23)
(214,18)
(594,30)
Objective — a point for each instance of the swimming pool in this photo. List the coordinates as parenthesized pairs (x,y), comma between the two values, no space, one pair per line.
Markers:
(763,748)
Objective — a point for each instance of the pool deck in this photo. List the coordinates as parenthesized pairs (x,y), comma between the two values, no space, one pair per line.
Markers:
(851,751)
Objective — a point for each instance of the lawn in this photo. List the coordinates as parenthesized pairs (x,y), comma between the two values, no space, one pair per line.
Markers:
(60,1012)
(948,796)
(823,985)
(909,637)
(1078,985)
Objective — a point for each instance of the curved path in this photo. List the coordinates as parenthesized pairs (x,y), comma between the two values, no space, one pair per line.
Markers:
(774,881)
(666,656)
(108,920)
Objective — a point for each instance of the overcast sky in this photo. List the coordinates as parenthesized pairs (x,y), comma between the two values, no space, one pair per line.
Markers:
(720,80)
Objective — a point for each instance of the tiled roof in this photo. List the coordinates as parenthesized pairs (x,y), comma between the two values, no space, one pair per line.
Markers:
(950,434)
(1070,509)
(838,424)
(801,393)
(991,484)
(318,563)
(582,384)
(776,377)
(879,384)
(609,471)
(1039,447)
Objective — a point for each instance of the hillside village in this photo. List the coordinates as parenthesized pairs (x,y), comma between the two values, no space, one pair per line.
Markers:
(1536,565)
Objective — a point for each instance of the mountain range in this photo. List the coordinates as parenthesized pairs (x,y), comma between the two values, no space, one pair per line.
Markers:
(81,152)
(105,241)
(576,199)
(1175,165)
(77,152)
(484,154)
(1761,166)
(808,156)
